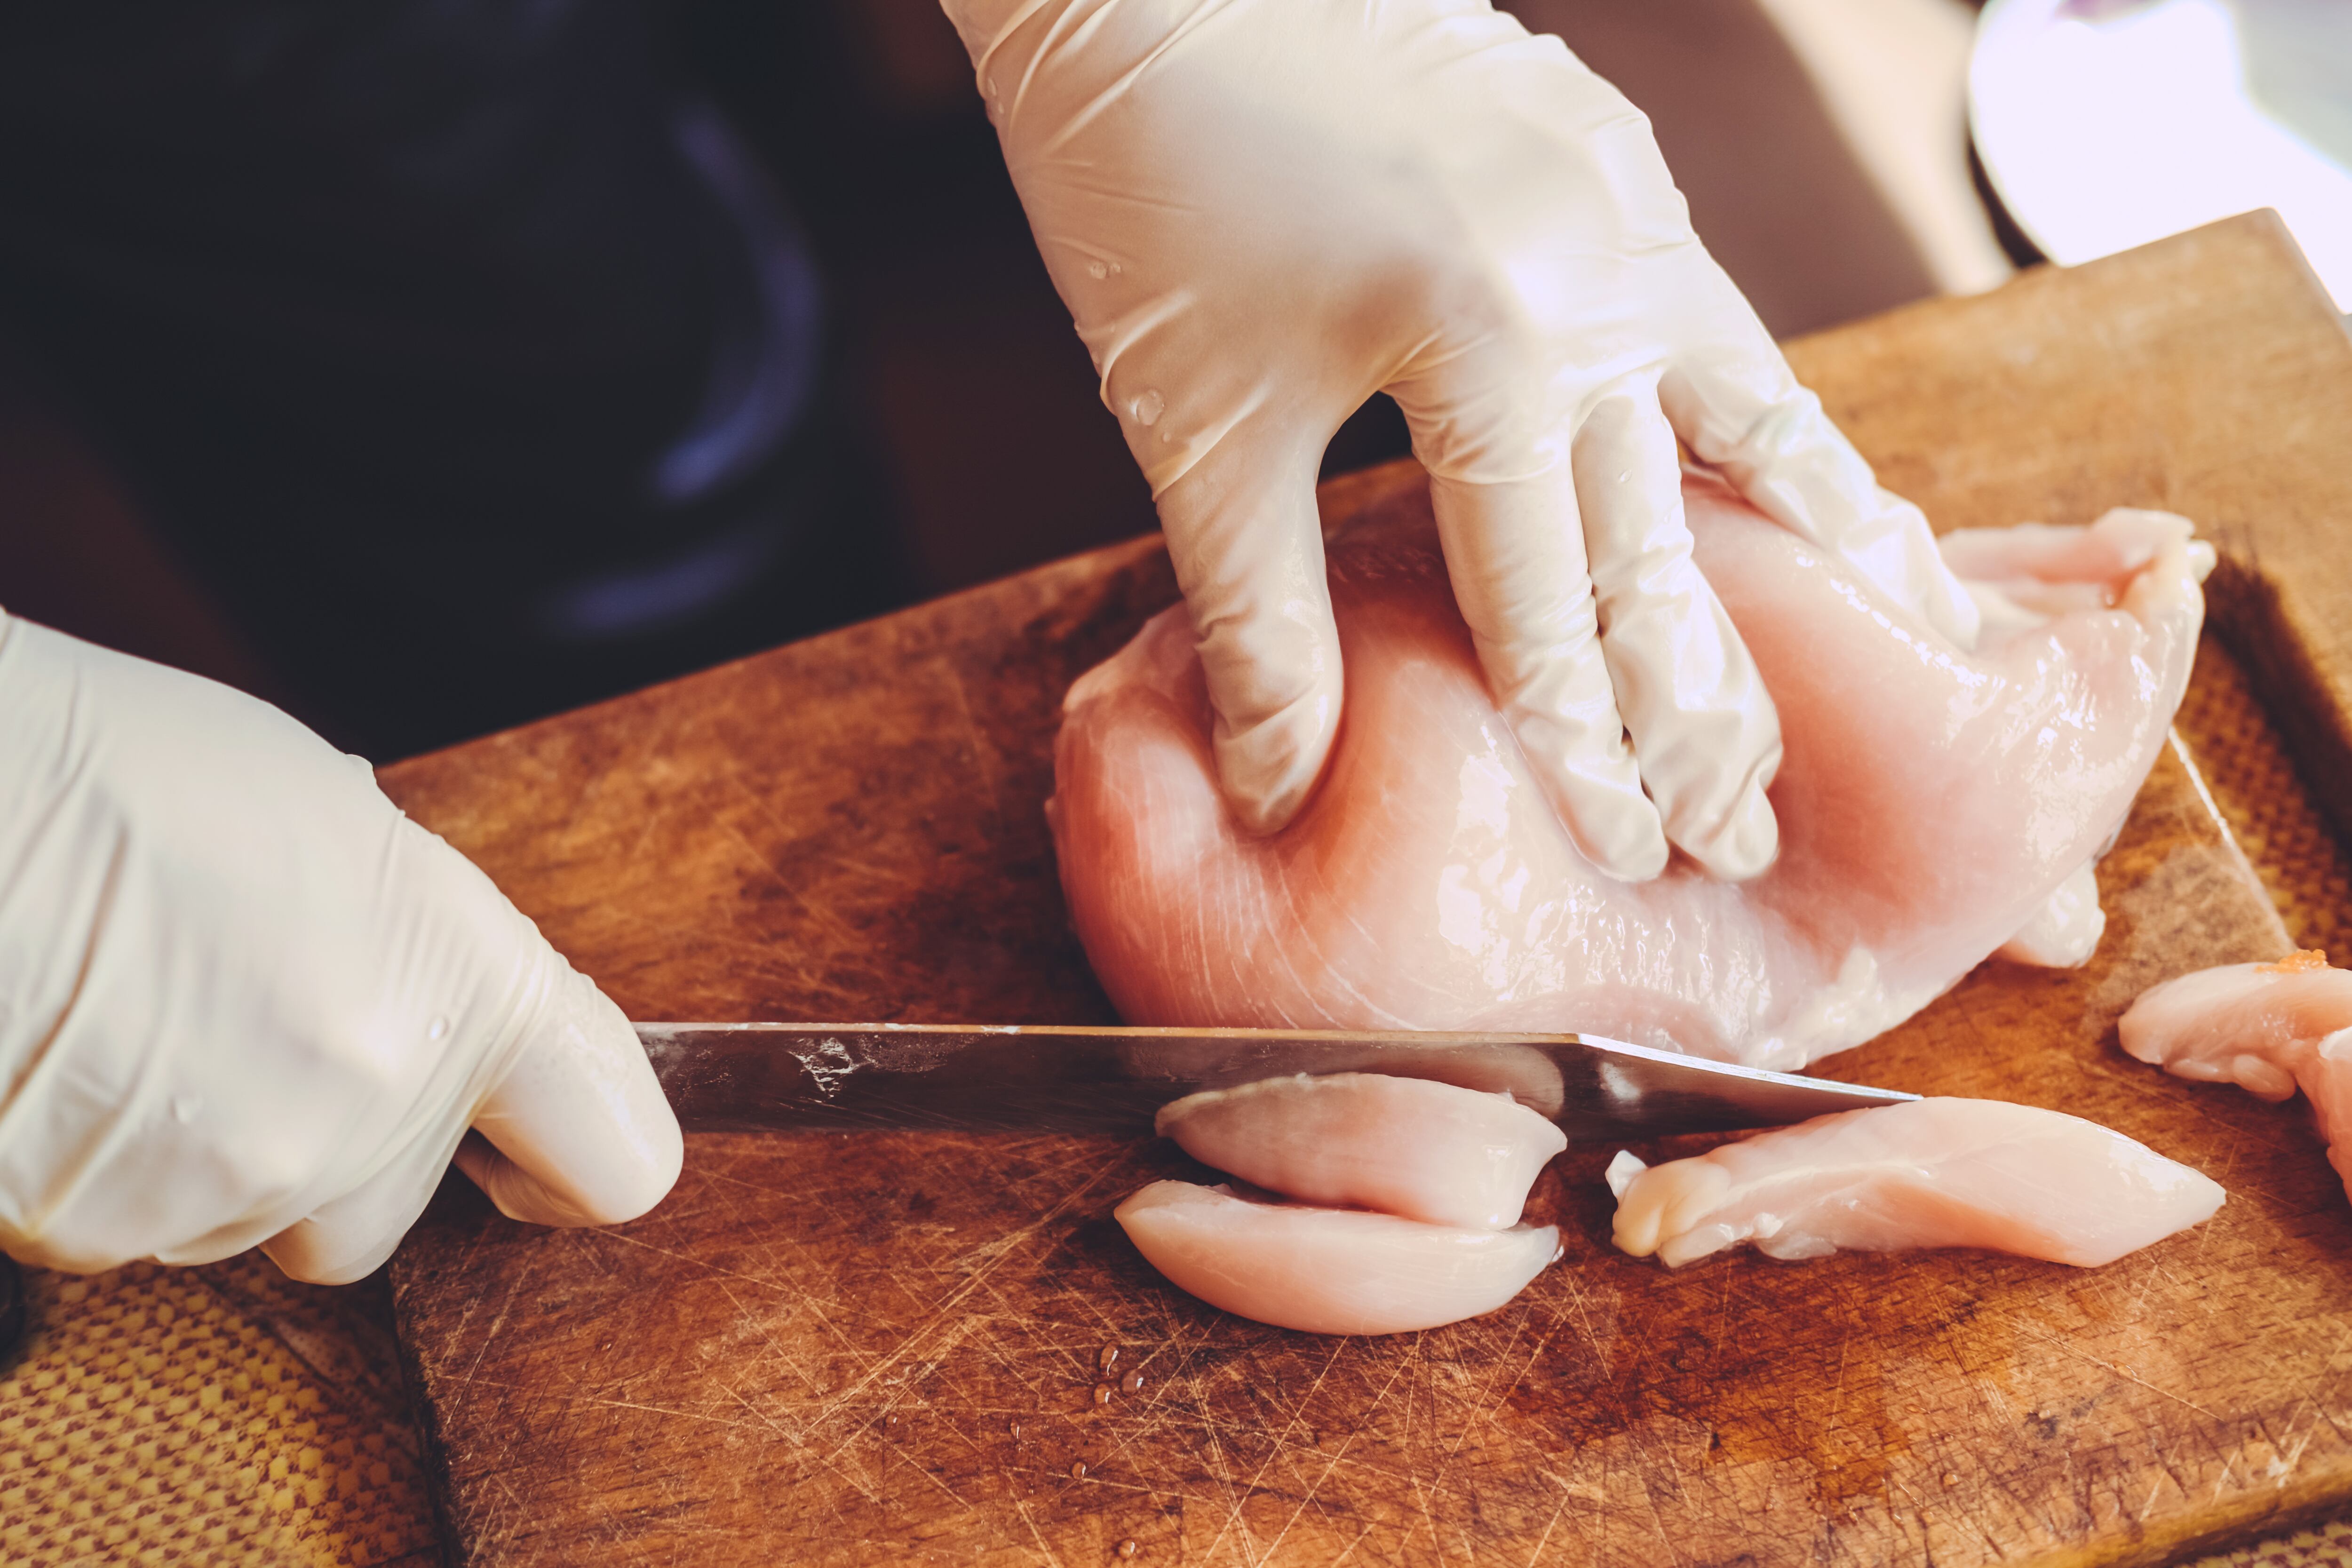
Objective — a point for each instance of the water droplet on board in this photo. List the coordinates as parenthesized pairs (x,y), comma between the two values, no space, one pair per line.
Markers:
(1014,1427)
(1951,1478)
(1132,1382)
(438,1027)
(1127,1548)
(889,1422)
(1107,1358)
(1098,270)
(1077,1469)
(1147,408)
(1102,1394)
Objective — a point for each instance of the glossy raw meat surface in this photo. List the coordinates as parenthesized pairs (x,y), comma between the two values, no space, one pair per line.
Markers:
(1407,1190)
(1405,1146)
(1931,803)
(1329,1271)
(1933,1172)
(2270,1029)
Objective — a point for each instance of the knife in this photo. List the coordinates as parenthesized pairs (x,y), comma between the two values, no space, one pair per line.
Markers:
(1059,1078)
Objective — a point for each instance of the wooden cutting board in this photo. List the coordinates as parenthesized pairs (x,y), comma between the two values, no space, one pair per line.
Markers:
(885,1348)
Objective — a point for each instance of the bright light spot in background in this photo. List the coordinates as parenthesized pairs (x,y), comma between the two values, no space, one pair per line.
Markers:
(2108,123)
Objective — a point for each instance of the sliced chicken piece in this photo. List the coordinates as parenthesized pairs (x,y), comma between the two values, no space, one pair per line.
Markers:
(2270,1029)
(1329,1271)
(1405,1146)
(1932,1173)
(1932,800)
(1485,1064)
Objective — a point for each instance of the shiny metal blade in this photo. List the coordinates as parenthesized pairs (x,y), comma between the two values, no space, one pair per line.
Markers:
(844,1077)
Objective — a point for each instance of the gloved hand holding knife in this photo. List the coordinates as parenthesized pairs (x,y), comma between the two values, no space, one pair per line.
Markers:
(243,1001)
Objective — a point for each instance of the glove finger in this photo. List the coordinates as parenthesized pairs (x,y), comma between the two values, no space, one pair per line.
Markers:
(1515,551)
(1247,543)
(513,1191)
(589,1140)
(1739,407)
(585,1131)
(351,1236)
(1706,735)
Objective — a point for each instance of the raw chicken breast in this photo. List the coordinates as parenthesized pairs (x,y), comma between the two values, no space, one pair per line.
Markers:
(1329,1271)
(1932,1173)
(1932,801)
(2270,1029)
(1405,1146)
(2065,931)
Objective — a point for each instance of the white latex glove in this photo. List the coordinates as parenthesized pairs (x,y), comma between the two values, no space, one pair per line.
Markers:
(1260,212)
(244,1000)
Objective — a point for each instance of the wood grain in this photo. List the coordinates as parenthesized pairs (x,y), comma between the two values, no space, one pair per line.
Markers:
(884,1347)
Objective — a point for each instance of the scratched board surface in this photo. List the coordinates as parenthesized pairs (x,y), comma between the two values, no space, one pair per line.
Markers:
(887,1347)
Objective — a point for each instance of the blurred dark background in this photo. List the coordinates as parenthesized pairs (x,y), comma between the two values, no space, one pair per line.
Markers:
(369,361)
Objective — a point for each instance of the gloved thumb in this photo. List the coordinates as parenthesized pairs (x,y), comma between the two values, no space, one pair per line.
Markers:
(557,1078)
(584,1138)
(578,1132)
(1247,542)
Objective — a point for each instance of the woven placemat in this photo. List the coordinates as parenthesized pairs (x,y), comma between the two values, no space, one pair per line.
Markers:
(214,1414)
(225,1415)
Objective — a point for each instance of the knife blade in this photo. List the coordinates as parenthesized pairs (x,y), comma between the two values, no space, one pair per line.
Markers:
(1062,1079)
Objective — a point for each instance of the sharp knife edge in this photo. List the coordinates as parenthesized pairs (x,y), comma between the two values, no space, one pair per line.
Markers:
(1073,1078)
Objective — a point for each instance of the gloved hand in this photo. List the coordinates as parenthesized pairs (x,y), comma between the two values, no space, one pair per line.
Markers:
(1260,212)
(244,1000)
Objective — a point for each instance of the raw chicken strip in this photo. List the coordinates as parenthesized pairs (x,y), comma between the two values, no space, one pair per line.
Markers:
(2270,1029)
(1931,803)
(1932,1172)
(1329,1271)
(1405,1146)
